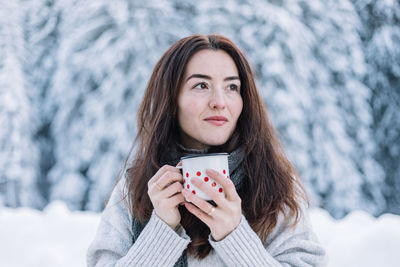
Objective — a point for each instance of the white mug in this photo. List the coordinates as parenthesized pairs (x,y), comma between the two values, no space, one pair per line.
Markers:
(196,165)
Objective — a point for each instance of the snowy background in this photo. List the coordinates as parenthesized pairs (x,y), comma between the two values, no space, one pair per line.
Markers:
(72,74)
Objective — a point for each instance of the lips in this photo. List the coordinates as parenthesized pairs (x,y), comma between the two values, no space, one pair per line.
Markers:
(216,120)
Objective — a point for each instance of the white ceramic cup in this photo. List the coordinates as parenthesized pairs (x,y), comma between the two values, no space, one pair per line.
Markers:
(196,165)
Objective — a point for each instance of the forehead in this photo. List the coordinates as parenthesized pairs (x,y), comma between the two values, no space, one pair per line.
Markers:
(212,63)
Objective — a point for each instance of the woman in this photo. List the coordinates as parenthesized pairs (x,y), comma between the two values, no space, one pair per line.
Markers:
(202,98)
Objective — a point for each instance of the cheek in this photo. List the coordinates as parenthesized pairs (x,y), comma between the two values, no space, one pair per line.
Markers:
(188,111)
(237,108)
(190,105)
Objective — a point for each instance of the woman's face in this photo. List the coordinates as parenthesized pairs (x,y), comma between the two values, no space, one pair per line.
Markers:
(209,101)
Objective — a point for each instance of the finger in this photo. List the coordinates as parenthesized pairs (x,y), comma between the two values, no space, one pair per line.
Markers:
(168,178)
(179,166)
(176,200)
(199,214)
(161,171)
(170,203)
(200,203)
(227,184)
(171,190)
(212,192)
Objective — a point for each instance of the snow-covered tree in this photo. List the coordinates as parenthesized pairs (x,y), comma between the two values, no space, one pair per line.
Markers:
(381,41)
(341,167)
(41,21)
(18,151)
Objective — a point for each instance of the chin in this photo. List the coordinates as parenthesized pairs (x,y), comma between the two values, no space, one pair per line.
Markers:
(216,142)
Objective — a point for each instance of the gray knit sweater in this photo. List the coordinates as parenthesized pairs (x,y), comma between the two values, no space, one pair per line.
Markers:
(159,245)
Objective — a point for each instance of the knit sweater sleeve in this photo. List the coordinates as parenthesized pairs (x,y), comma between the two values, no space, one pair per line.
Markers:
(113,245)
(285,246)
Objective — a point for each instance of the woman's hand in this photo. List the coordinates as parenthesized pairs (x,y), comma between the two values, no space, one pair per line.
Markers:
(224,218)
(164,190)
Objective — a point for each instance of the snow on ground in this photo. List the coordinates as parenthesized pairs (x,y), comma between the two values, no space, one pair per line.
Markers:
(59,237)
(54,237)
(359,239)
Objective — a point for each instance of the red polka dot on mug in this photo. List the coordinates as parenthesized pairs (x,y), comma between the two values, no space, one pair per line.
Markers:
(195,166)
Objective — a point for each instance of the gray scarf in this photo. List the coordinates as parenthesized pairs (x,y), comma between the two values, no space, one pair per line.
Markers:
(235,173)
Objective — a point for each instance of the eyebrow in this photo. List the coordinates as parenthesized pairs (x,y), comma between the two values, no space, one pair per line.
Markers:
(203,76)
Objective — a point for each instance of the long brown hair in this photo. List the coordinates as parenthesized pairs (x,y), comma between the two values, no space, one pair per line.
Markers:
(270,184)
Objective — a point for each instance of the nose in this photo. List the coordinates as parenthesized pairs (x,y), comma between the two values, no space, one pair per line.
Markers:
(217,100)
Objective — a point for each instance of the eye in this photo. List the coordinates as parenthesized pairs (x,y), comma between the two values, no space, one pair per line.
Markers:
(233,87)
(201,85)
